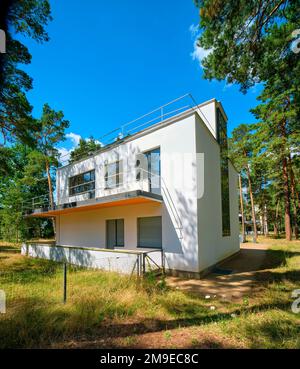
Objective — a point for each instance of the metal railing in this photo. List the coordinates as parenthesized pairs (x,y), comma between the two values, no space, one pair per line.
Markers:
(126,184)
(127,181)
(144,121)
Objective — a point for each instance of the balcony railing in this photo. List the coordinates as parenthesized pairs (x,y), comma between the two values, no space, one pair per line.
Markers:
(42,203)
(127,182)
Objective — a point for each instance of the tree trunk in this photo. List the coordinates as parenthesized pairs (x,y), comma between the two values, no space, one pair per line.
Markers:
(242,210)
(287,205)
(277,225)
(252,205)
(286,185)
(266,227)
(51,199)
(262,222)
(294,197)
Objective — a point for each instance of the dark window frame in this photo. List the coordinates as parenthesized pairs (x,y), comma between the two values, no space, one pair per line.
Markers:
(138,234)
(91,183)
(148,153)
(116,232)
(225,189)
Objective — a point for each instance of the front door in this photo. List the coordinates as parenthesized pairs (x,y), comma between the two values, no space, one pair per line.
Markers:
(114,233)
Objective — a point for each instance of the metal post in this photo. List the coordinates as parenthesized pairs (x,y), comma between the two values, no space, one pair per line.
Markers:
(163,261)
(144,264)
(65,283)
(138,265)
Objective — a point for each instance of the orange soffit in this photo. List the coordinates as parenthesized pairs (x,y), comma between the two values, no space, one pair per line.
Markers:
(123,202)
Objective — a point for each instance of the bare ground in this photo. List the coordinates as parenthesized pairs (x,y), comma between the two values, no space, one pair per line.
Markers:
(245,266)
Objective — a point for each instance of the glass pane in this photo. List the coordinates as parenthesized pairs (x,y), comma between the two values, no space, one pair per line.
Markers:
(87,177)
(76,183)
(120,232)
(111,175)
(110,234)
(153,158)
(222,139)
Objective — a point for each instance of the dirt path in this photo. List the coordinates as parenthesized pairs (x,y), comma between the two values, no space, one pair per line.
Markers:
(240,282)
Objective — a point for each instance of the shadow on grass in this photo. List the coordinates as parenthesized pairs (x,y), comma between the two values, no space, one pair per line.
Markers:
(10,248)
(36,324)
(27,270)
(33,322)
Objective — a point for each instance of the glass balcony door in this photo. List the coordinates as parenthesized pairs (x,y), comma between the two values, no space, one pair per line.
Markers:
(153,162)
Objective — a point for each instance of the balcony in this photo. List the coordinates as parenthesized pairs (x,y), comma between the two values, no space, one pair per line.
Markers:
(129,189)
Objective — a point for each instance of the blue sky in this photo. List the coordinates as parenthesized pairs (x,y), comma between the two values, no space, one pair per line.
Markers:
(108,62)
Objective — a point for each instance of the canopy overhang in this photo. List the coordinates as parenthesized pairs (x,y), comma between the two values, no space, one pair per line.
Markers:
(120,199)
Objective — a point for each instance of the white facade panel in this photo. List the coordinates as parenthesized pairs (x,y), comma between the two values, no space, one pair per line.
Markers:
(213,247)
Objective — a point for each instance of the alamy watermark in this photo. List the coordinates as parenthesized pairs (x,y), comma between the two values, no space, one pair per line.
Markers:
(295,45)
(2,42)
(2,302)
(296,303)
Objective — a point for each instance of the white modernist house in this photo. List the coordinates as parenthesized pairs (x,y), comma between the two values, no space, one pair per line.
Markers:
(167,191)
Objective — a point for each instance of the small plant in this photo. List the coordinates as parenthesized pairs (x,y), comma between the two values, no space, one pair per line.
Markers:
(245,301)
(167,335)
(130,341)
(195,342)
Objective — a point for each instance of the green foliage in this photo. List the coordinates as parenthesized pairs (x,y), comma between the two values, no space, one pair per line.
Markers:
(51,130)
(84,149)
(25,179)
(249,40)
(27,18)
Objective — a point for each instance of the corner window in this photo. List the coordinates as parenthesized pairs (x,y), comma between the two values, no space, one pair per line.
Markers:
(113,174)
(81,183)
(222,140)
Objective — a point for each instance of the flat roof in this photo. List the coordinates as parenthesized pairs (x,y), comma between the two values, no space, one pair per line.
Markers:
(149,129)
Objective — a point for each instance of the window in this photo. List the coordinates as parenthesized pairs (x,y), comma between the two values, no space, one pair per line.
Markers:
(222,140)
(150,232)
(113,174)
(114,233)
(148,166)
(84,182)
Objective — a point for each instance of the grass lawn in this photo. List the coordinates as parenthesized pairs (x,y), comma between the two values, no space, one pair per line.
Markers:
(108,310)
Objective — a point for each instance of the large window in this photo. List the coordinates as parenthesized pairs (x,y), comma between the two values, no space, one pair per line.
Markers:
(84,182)
(150,232)
(148,166)
(113,174)
(222,139)
(114,233)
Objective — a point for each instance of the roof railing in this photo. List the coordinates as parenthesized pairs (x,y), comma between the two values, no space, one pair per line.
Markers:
(144,121)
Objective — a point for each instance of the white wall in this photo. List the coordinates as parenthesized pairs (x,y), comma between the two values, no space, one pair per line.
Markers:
(113,261)
(192,231)
(213,247)
(179,210)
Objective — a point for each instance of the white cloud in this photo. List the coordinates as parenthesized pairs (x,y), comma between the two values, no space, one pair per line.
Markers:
(194,29)
(199,53)
(64,155)
(96,141)
(227,86)
(75,138)
(64,152)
